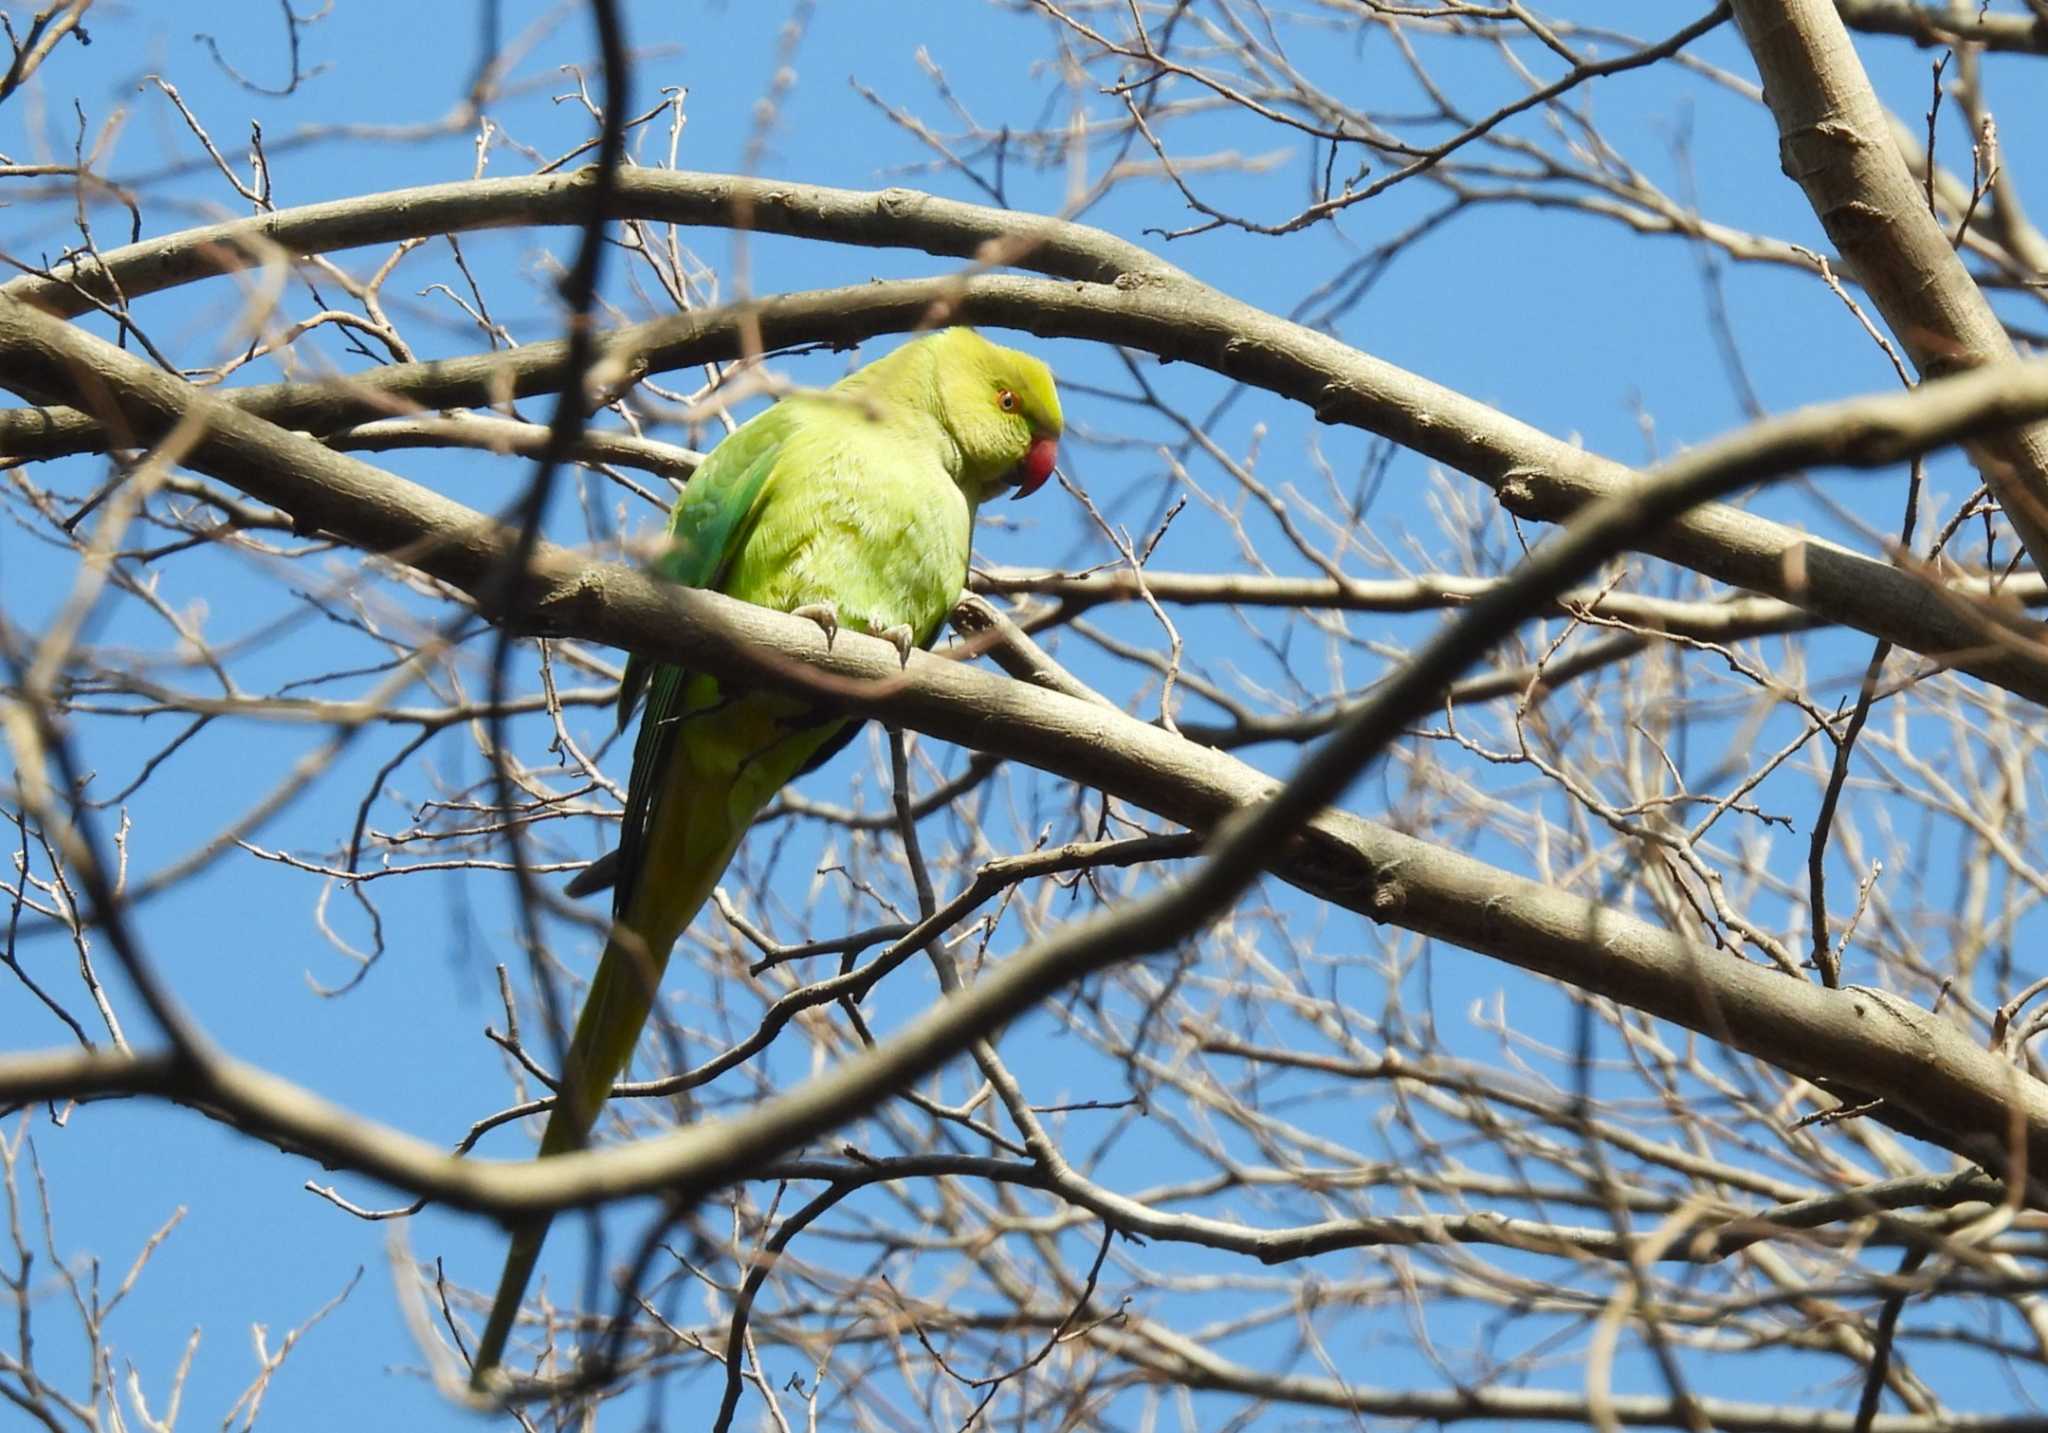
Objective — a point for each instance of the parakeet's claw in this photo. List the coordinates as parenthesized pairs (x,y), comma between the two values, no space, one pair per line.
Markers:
(902,639)
(825,615)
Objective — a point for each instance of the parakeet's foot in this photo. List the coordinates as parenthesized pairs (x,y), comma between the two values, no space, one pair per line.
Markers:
(825,615)
(902,639)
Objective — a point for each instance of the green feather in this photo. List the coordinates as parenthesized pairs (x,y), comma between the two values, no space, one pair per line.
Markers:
(709,522)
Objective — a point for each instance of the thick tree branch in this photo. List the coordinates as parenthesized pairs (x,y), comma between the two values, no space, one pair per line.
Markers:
(886,218)
(1929,1070)
(1835,142)
(1940,25)
(1119,294)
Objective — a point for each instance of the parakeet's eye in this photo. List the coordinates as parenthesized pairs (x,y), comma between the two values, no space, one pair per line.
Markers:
(1006,400)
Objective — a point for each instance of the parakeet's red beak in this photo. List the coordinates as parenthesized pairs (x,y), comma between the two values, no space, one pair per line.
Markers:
(1030,475)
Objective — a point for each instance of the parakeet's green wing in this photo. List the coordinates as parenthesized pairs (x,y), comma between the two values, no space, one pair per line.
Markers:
(708,526)
(710,521)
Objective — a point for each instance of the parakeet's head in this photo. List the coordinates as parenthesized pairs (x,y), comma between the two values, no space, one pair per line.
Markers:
(999,405)
(1003,408)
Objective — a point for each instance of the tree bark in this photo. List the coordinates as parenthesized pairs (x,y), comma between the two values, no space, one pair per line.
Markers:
(1835,143)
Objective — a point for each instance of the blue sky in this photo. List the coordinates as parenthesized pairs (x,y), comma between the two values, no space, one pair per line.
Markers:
(1565,322)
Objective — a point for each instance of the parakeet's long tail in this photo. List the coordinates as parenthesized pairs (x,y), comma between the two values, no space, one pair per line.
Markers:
(621,994)
(725,769)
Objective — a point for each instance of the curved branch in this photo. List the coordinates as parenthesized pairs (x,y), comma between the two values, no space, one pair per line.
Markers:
(1836,144)
(1934,25)
(1119,293)
(1933,1075)
(886,218)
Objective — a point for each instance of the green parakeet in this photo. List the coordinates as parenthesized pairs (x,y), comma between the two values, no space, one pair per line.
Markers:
(853,507)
